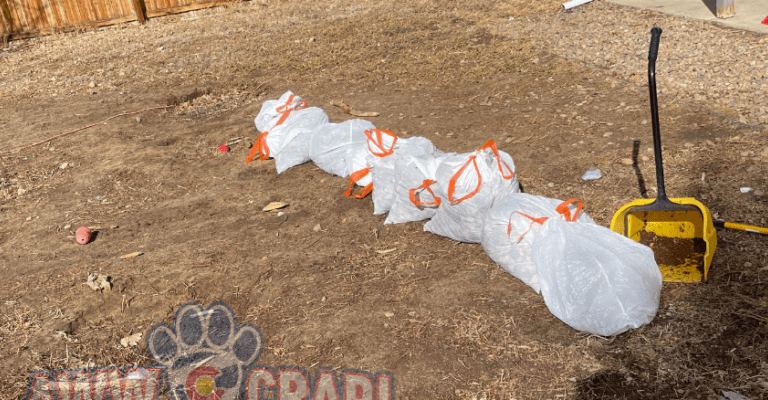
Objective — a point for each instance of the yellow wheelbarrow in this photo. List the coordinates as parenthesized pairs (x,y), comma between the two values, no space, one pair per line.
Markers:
(680,231)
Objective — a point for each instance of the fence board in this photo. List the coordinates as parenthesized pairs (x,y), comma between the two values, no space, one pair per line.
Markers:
(21,10)
(5,16)
(22,19)
(41,19)
(138,9)
(29,16)
(53,13)
(21,14)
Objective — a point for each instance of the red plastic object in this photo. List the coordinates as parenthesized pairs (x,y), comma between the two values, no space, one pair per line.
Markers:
(765,21)
(223,148)
(83,235)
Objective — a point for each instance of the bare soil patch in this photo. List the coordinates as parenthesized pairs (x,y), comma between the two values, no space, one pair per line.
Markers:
(458,73)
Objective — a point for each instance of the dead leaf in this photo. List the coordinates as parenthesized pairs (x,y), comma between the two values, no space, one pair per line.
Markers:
(99,282)
(349,110)
(131,255)
(130,340)
(275,205)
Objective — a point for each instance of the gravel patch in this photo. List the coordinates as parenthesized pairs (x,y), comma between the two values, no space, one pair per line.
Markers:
(717,67)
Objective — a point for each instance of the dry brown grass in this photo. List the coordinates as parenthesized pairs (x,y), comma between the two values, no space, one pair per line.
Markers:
(497,338)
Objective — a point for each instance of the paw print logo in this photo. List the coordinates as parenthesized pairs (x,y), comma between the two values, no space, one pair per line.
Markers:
(206,353)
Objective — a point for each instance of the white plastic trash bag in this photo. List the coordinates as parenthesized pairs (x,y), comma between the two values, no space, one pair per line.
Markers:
(512,224)
(414,199)
(381,143)
(333,146)
(594,279)
(467,184)
(273,110)
(289,142)
(273,114)
(383,170)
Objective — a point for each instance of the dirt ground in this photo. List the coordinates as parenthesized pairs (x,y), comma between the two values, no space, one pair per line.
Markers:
(458,73)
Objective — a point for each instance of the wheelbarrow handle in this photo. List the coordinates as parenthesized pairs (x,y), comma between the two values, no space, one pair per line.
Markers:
(655,38)
(652,53)
(740,227)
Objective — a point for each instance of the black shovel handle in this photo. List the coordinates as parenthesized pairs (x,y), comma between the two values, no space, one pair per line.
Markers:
(652,53)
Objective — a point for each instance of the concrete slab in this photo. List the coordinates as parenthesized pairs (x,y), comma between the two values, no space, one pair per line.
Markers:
(749,13)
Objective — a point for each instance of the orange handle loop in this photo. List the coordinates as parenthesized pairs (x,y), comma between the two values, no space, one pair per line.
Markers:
(354,178)
(378,142)
(261,143)
(260,146)
(566,212)
(491,145)
(426,186)
(452,183)
(562,208)
(254,150)
(539,221)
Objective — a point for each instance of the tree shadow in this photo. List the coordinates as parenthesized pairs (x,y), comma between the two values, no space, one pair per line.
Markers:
(712,5)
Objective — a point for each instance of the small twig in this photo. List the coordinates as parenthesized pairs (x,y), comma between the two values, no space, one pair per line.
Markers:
(150,284)
(349,110)
(255,91)
(750,315)
(9,152)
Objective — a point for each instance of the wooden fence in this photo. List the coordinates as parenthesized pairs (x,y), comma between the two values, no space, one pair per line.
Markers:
(27,18)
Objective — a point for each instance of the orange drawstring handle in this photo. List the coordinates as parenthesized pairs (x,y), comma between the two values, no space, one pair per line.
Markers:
(260,146)
(356,176)
(566,212)
(378,142)
(261,143)
(562,209)
(375,136)
(452,183)
(492,146)
(539,221)
(489,145)
(426,186)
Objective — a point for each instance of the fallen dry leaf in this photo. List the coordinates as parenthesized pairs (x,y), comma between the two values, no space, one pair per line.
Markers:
(130,340)
(275,205)
(349,110)
(131,255)
(385,251)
